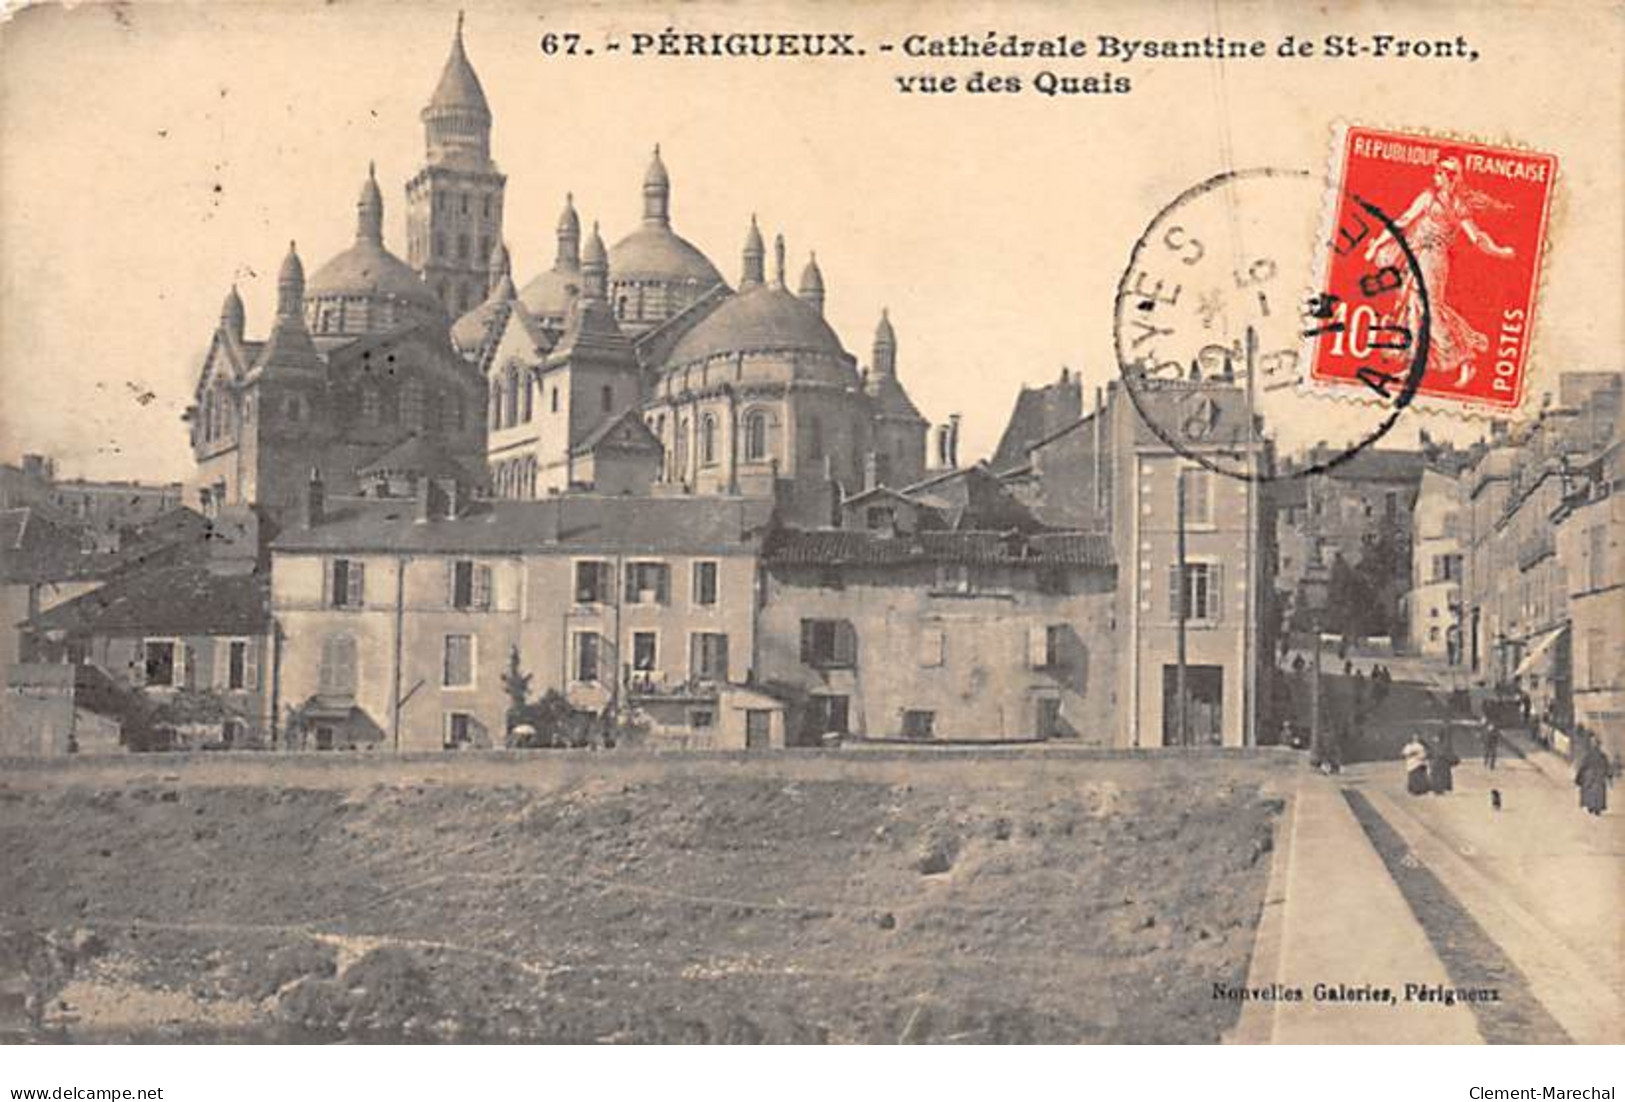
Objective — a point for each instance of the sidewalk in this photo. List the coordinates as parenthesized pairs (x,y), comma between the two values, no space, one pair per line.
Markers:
(1342,921)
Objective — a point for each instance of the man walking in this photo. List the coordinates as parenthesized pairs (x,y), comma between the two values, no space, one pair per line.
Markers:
(1492,744)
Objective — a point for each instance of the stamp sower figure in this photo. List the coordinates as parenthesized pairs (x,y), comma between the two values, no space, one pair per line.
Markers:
(1415,754)
(1593,776)
(1431,225)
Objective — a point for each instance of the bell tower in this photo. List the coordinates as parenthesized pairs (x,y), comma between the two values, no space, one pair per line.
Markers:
(454,203)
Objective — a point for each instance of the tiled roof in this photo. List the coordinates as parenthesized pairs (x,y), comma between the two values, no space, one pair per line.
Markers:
(637,437)
(844,547)
(1039,412)
(569,523)
(185,599)
(420,455)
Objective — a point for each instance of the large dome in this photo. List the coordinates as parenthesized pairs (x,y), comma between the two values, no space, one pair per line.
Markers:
(549,295)
(763,318)
(366,288)
(655,254)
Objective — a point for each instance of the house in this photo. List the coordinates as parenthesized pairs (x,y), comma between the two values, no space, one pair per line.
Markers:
(397,619)
(1590,541)
(940,635)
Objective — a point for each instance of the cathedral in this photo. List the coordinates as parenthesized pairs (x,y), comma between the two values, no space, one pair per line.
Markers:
(633,369)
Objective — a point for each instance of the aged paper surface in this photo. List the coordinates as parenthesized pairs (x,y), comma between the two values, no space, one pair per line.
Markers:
(790,523)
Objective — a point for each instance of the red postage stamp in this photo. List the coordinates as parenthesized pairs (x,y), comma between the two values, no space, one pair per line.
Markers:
(1436,240)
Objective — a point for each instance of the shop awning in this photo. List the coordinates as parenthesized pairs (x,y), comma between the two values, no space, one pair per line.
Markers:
(1540,647)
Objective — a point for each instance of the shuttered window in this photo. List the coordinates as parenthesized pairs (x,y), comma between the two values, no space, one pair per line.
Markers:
(345,583)
(648,583)
(1202,593)
(468,585)
(337,675)
(828,644)
(708,658)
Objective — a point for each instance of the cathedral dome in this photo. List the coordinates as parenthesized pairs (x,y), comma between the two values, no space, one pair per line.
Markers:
(656,254)
(764,318)
(366,288)
(549,295)
(471,333)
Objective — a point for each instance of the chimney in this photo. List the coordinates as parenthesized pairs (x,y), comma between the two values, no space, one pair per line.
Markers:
(424,512)
(871,471)
(315,504)
(448,498)
(953,440)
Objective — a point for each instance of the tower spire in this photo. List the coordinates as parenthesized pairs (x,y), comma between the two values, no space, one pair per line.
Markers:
(885,349)
(778,260)
(594,268)
(369,222)
(233,319)
(751,273)
(290,285)
(656,193)
(457,120)
(569,234)
(811,289)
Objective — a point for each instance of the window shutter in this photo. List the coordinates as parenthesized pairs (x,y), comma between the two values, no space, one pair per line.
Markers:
(1037,646)
(631,583)
(482,586)
(663,584)
(327,583)
(251,657)
(1216,594)
(220,673)
(186,658)
(846,643)
(806,642)
(358,588)
(721,656)
(1175,598)
(695,653)
(138,668)
(451,583)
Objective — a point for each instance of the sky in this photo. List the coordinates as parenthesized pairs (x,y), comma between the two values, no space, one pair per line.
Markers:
(153,154)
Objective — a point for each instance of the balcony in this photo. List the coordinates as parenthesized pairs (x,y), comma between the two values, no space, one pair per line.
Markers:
(1534,548)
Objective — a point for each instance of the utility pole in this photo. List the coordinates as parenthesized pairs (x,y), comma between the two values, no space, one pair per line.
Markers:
(1250,571)
(1181,609)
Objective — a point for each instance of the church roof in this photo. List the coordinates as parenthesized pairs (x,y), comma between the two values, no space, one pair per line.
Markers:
(655,253)
(417,455)
(890,399)
(368,270)
(764,318)
(484,323)
(549,295)
(624,431)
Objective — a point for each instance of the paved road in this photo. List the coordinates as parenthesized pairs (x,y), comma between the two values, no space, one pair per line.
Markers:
(1541,878)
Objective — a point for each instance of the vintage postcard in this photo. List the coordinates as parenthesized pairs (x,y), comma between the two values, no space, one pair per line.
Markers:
(799,523)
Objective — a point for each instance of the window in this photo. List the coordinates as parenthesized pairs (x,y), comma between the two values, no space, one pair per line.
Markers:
(463,730)
(462,203)
(815,438)
(438,248)
(708,440)
(468,585)
(485,247)
(680,449)
(462,243)
(1046,646)
(510,397)
(648,583)
(1198,496)
(457,671)
(645,656)
(702,719)
(346,583)
(555,400)
(827,714)
(828,644)
(880,518)
(369,405)
(588,655)
(705,583)
(1597,562)
(1049,717)
(239,671)
(162,660)
(1598,675)
(606,398)
(918,724)
(593,581)
(487,207)
(337,675)
(955,578)
(1201,593)
(756,436)
(708,660)
(527,398)
(933,647)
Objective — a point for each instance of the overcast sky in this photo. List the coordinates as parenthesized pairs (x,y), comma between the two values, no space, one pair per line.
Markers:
(152,154)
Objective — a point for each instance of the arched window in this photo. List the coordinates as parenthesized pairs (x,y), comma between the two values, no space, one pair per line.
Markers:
(412,403)
(606,398)
(708,441)
(815,438)
(438,249)
(208,415)
(679,469)
(555,399)
(496,403)
(462,240)
(338,674)
(756,435)
(510,397)
(529,396)
(459,413)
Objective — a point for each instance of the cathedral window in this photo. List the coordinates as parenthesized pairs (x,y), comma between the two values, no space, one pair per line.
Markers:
(487,206)
(606,398)
(485,245)
(440,201)
(527,398)
(496,403)
(412,404)
(708,441)
(369,405)
(463,206)
(756,436)
(438,248)
(462,246)
(555,399)
(680,450)
(511,394)
(459,408)
(815,438)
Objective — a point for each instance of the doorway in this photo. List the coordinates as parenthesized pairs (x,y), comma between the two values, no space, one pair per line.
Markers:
(1204,709)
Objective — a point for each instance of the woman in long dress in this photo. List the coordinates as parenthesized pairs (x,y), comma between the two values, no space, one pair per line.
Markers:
(1593,777)
(1441,760)
(1431,224)
(1415,753)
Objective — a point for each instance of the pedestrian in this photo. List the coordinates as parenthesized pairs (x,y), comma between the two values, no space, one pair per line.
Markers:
(1593,777)
(1492,744)
(1415,754)
(1441,760)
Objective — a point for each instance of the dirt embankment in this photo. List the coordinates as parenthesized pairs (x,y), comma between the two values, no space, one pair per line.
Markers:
(1072,906)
